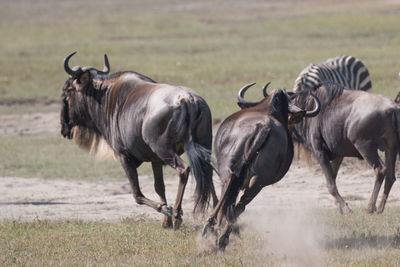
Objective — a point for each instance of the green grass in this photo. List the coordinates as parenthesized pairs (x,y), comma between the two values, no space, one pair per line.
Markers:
(215,51)
(57,157)
(135,243)
(362,239)
(355,240)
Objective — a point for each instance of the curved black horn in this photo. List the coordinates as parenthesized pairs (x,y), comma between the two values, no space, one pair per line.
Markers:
(265,89)
(67,68)
(106,68)
(317,108)
(242,91)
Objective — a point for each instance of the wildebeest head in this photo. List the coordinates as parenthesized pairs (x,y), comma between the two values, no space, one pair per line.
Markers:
(280,104)
(72,97)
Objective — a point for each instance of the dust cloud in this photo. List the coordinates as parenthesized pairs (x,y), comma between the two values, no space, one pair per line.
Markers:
(294,235)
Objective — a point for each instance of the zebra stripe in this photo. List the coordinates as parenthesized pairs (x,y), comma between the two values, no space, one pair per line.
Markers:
(346,71)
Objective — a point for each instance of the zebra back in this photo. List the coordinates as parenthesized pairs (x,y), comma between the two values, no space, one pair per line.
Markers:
(346,71)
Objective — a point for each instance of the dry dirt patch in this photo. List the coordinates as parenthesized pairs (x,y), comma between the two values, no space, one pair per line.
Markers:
(38,123)
(33,198)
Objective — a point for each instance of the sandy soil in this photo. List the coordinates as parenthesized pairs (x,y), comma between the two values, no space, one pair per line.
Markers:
(33,198)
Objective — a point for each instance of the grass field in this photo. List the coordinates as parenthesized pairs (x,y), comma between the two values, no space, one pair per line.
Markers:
(354,240)
(213,47)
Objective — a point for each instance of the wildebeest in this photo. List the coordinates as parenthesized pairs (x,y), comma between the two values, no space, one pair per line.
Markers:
(351,123)
(254,149)
(142,121)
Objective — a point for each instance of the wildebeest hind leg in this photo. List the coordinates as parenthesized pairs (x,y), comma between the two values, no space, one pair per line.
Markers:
(390,159)
(330,176)
(234,212)
(223,239)
(227,180)
(335,165)
(166,152)
(183,171)
(249,193)
(160,190)
(131,171)
(370,154)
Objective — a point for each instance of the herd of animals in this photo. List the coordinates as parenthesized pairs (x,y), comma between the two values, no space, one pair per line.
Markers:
(330,113)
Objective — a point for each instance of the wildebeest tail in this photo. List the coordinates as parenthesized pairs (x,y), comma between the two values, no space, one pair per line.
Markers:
(200,156)
(396,124)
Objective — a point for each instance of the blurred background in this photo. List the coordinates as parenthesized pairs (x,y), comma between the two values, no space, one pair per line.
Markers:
(214,47)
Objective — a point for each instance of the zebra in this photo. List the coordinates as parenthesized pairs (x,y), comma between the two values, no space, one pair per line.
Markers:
(346,71)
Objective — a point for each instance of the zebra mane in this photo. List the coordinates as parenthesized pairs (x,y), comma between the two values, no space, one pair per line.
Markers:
(93,143)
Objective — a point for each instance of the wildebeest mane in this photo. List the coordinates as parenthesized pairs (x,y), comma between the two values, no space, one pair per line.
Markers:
(117,74)
(92,142)
(331,91)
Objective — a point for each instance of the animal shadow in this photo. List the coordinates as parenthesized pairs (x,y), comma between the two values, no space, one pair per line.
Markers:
(363,240)
(36,203)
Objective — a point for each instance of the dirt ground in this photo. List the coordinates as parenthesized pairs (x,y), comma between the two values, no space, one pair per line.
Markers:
(34,198)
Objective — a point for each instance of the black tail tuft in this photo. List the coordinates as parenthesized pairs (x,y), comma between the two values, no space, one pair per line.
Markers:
(200,158)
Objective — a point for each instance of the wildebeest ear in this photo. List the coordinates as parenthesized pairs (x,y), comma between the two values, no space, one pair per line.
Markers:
(81,82)
(296,114)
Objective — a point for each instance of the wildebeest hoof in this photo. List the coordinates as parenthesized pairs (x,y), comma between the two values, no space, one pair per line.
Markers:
(345,210)
(177,213)
(371,209)
(223,241)
(164,209)
(209,226)
(177,223)
(236,229)
(379,210)
(167,222)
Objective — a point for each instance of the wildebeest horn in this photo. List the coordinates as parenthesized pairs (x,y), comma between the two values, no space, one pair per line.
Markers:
(106,68)
(265,89)
(317,108)
(241,94)
(67,68)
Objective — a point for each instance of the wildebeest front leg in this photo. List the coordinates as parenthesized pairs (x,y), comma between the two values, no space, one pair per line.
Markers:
(131,171)
(160,190)
(330,176)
